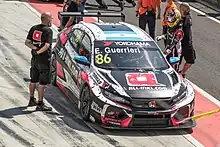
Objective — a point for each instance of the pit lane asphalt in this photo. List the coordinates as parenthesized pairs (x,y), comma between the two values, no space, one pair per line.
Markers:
(23,126)
(206,33)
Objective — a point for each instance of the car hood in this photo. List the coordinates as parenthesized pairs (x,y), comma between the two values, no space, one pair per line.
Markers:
(145,85)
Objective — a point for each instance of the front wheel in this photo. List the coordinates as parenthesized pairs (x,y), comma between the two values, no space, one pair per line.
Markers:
(85,104)
(53,69)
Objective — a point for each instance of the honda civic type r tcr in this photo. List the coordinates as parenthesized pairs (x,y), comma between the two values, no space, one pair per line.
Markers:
(119,77)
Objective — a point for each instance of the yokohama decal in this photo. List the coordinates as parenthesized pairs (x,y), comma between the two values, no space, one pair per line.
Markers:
(141,79)
(37,35)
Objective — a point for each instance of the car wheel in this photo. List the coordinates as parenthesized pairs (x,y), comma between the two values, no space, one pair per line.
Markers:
(85,104)
(190,130)
(53,69)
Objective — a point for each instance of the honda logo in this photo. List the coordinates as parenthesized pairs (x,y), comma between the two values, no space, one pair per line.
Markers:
(152,104)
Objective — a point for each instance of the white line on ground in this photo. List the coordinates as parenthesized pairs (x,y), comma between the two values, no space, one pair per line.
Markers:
(202,13)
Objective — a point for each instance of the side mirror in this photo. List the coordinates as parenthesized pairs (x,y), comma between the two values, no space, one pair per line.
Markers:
(174,60)
(82,60)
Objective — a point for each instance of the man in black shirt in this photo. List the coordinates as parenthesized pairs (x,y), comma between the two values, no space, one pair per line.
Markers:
(39,40)
(70,6)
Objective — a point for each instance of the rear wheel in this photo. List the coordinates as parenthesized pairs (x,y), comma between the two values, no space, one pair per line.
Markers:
(53,69)
(85,104)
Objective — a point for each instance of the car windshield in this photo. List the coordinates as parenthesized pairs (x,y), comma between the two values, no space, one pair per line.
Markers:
(128,55)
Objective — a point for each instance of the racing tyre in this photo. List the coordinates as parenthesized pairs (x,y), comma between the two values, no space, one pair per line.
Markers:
(190,130)
(85,104)
(53,68)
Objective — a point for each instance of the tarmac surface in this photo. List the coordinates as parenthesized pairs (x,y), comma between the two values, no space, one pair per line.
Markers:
(22,126)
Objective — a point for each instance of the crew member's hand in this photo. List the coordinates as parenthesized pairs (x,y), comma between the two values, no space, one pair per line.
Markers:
(65,8)
(158,38)
(137,13)
(35,52)
(158,16)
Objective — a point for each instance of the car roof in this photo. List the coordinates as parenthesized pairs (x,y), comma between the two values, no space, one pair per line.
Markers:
(120,31)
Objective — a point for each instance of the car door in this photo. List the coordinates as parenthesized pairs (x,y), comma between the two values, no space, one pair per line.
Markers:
(85,50)
(72,47)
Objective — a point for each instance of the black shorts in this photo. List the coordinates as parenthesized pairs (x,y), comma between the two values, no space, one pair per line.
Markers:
(40,71)
(189,56)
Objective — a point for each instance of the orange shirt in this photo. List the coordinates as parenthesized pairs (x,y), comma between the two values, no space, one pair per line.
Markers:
(167,9)
(147,5)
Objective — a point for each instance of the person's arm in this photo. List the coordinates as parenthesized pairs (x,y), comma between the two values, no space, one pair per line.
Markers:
(65,5)
(28,41)
(48,41)
(187,32)
(29,44)
(138,7)
(70,22)
(159,9)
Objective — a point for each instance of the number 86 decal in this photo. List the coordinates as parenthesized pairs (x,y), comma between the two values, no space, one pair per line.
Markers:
(100,59)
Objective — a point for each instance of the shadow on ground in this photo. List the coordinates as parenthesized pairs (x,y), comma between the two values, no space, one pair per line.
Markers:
(67,110)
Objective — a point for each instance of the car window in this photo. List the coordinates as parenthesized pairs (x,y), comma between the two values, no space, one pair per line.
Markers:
(86,43)
(128,55)
(85,48)
(76,38)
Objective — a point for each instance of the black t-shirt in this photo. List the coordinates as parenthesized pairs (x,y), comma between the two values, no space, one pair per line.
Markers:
(187,43)
(39,35)
(73,7)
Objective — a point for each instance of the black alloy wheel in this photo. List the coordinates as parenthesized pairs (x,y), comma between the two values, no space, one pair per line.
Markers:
(53,70)
(85,104)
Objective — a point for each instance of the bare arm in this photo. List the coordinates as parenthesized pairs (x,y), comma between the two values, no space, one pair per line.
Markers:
(44,48)
(48,41)
(158,10)
(29,44)
(70,22)
(138,5)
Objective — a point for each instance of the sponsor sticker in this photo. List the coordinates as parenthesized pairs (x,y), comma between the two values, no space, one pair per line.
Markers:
(37,35)
(146,88)
(96,107)
(142,79)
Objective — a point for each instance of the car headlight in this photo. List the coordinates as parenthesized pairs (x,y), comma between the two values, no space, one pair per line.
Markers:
(190,96)
(190,92)
(179,97)
(114,97)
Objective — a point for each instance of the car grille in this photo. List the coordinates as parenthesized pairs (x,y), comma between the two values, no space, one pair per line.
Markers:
(161,104)
(150,120)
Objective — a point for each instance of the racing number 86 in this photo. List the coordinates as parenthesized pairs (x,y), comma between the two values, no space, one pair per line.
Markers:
(100,59)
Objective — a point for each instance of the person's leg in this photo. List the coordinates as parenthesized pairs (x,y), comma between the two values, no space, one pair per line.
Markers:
(164,32)
(185,68)
(189,57)
(44,79)
(32,85)
(142,22)
(131,2)
(152,25)
(81,9)
(102,4)
(120,3)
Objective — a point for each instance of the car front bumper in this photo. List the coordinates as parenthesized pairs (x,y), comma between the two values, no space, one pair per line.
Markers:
(114,117)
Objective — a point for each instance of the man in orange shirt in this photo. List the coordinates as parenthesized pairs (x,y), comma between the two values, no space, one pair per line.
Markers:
(146,10)
(170,5)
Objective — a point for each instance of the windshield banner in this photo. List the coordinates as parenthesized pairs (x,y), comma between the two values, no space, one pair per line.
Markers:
(107,51)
